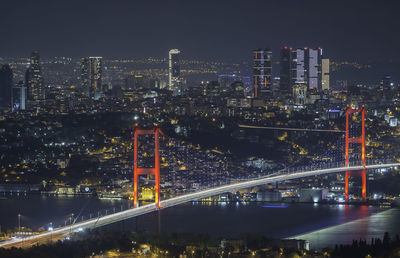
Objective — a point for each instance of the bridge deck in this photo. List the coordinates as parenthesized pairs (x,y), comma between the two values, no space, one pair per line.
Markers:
(119,216)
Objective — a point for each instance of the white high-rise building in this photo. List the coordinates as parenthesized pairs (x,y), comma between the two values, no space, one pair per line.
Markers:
(174,69)
(301,66)
(312,67)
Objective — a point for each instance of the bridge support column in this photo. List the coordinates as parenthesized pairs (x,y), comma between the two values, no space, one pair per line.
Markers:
(363,174)
(364,184)
(146,171)
(360,140)
(346,186)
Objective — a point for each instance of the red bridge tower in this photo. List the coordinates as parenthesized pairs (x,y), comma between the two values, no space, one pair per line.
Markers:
(361,140)
(147,171)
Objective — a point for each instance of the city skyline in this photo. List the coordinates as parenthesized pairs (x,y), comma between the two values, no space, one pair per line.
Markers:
(267,128)
(352,31)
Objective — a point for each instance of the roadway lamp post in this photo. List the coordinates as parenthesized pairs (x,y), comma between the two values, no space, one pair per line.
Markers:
(19,222)
(70,223)
(51,231)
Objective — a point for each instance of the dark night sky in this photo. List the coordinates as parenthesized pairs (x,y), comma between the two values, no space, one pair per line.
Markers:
(209,29)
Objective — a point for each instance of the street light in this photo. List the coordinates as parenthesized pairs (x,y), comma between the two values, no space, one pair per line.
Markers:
(51,230)
(19,222)
(70,223)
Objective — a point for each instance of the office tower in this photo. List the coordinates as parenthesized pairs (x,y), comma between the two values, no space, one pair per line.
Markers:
(6,82)
(325,84)
(91,76)
(286,70)
(84,79)
(312,68)
(299,70)
(174,69)
(34,79)
(386,87)
(262,72)
(19,97)
(301,66)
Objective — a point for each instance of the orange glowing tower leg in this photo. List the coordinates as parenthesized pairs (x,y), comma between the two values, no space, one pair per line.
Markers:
(364,185)
(135,175)
(346,183)
(363,172)
(346,186)
(157,170)
(361,141)
(147,171)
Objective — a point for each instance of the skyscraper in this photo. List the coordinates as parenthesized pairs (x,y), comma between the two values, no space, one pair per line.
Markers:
(286,70)
(301,66)
(174,69)
(299,70)
(262,72)
(84,79)
(34,79)
(325,74)
(91,75)
(386,87)
(6,82)
(312,69)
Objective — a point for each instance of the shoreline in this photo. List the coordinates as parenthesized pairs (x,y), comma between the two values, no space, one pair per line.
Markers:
(385,203)
(308,236)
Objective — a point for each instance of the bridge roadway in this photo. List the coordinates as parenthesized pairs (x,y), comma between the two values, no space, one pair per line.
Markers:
(119,216)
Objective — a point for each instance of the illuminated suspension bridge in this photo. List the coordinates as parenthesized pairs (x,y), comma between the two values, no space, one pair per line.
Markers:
(349,167)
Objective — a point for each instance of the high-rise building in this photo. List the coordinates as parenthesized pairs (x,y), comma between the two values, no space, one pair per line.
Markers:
(262,72)
(325,78)
(174,69)
(84,78)
(312,68)
(287,66)
(387,87)
(6,82)
(19,97)
(91,76)
(301,66)
(34,79)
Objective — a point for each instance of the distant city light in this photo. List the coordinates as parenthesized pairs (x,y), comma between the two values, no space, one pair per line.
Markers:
(275,206)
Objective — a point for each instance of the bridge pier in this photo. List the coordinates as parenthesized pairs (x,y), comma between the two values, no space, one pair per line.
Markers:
(363,175)
(146,171)
(359,140)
